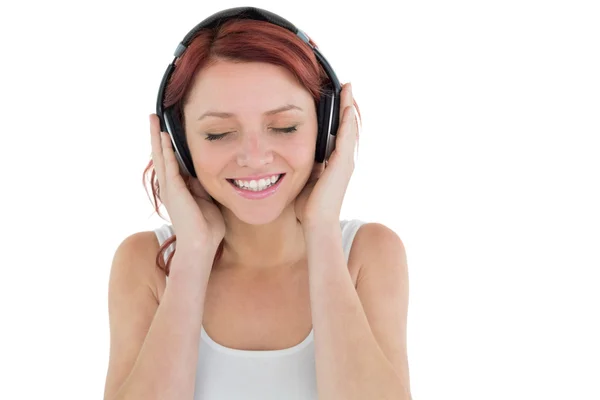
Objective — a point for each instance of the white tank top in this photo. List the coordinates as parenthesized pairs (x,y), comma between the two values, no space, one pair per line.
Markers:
(230,374)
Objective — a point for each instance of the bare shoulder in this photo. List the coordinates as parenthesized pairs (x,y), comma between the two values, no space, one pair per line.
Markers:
(374,242)
(132,303)
(383,289)
(135,260)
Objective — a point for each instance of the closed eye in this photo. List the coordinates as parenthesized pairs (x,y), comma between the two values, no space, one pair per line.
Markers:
(286,130)
(218,136)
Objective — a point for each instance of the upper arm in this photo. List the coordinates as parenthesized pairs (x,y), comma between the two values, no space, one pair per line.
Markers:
(132,303)
(382,286)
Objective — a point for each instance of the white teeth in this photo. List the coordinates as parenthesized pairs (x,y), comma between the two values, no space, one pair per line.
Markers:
(257,186)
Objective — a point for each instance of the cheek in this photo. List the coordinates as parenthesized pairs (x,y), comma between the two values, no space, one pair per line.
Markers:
(207,164)
(299,150)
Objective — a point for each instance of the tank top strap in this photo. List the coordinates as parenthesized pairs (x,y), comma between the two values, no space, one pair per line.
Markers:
(163,233)
(349,229)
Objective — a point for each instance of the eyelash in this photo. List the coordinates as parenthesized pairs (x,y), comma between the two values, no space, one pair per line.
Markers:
(219,136)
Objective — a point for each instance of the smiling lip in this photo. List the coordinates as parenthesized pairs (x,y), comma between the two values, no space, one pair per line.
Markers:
(252,195)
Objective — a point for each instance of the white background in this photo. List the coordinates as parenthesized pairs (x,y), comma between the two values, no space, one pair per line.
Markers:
(479,148)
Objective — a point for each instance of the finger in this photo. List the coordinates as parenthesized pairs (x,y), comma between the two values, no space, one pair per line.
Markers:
(157,153)
(346,137)
(347,99)
(171,165)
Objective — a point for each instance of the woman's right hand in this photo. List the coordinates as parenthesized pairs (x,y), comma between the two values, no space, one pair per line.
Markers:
(196,219)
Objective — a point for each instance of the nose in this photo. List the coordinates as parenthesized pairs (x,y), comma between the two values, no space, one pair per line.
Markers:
(255,151)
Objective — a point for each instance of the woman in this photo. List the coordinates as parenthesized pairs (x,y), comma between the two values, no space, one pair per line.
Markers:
(268,295)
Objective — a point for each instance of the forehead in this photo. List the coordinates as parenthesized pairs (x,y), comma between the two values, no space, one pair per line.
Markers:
(228,85)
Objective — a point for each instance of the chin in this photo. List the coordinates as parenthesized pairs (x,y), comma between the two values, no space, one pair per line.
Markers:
(257,215)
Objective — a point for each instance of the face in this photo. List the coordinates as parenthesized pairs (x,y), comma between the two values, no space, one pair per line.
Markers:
(246,125)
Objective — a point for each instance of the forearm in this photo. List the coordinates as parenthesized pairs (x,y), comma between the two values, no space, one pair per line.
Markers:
(349,362)
(166,365)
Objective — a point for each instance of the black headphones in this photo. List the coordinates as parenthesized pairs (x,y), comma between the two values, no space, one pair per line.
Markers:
(328,108)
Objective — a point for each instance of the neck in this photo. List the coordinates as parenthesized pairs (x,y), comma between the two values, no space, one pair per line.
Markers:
(263,248)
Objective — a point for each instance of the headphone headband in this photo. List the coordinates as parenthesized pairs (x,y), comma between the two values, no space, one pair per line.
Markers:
(237,13)
(327,109)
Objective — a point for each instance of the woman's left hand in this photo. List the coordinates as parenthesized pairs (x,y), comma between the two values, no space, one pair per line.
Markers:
(320,201)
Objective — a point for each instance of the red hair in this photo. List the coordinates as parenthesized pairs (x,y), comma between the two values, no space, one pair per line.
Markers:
(238,41)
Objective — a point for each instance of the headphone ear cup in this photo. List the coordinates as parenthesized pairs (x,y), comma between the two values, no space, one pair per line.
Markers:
(323,119)
(328,120)
(182,152)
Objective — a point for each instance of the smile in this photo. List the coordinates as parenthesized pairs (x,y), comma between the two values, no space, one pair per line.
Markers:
(257,188)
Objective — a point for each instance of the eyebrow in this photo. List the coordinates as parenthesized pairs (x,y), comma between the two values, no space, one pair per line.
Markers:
(218,114)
